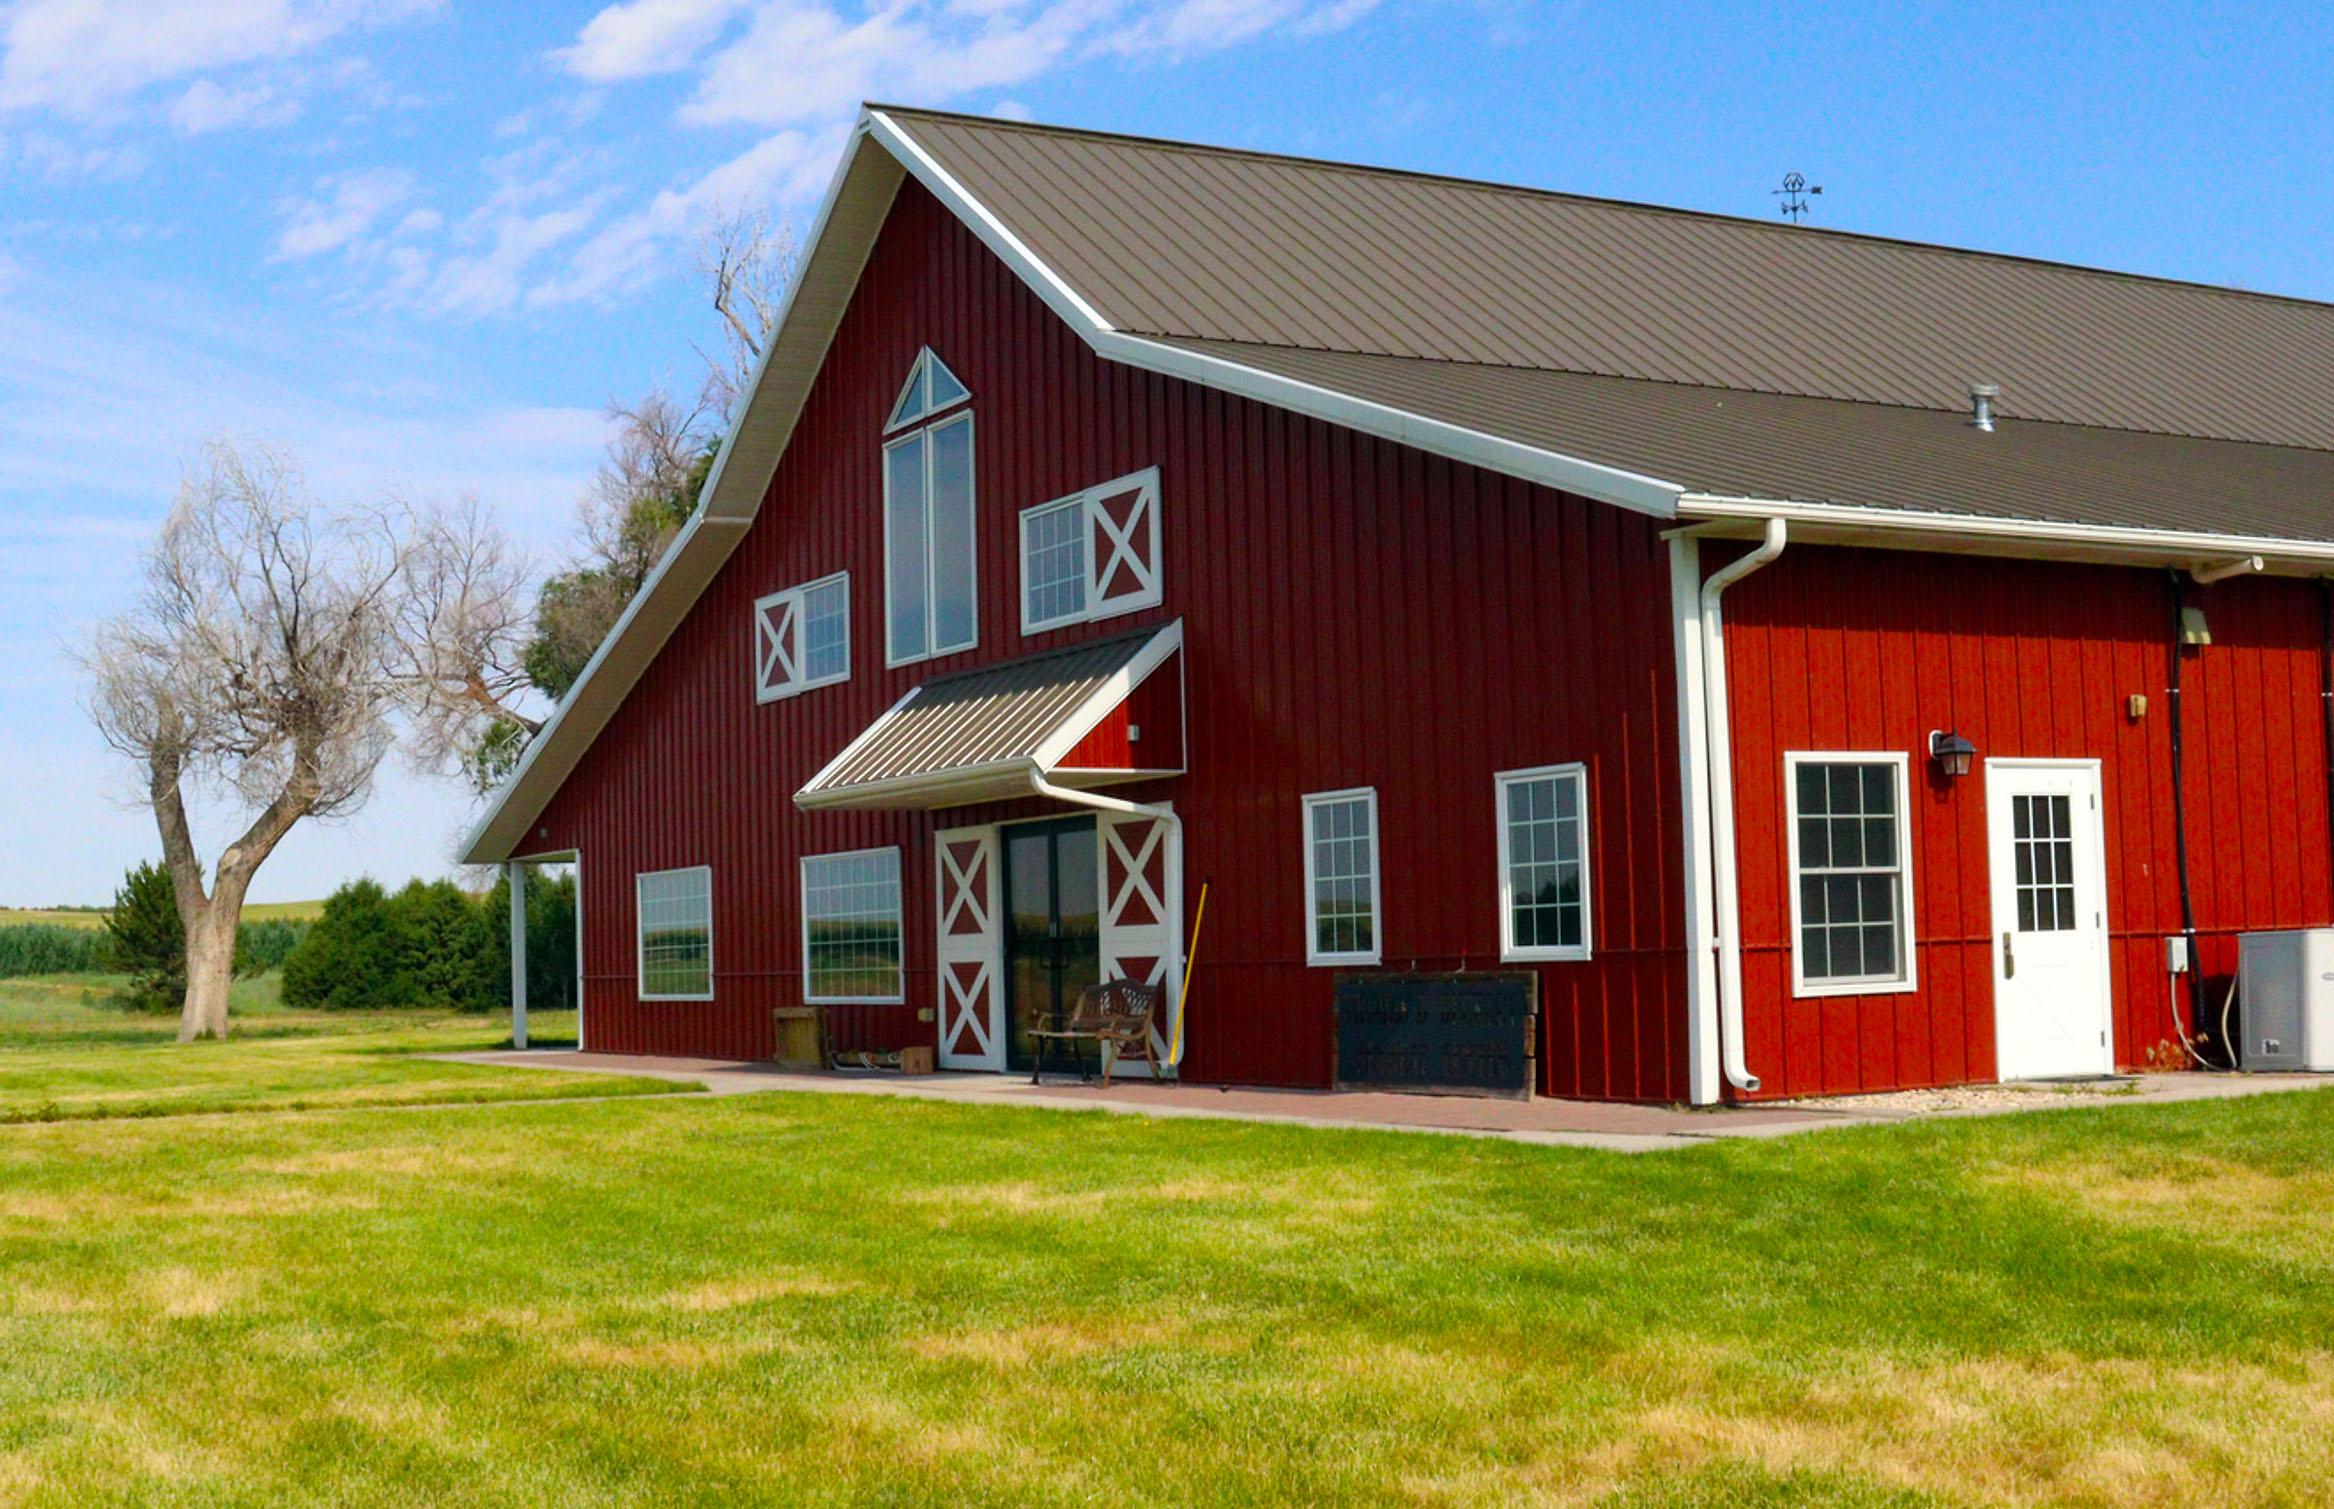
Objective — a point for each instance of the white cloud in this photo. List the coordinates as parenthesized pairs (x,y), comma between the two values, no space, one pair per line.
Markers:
(79,57)
(354,204)
(643,37)
(207,106)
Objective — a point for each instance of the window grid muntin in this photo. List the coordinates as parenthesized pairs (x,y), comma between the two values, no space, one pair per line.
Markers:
(674,917)
(2042,846)
(1851,882)
(917,616)
(1341,877)
(1543,833)
(1053,564)
(851,927)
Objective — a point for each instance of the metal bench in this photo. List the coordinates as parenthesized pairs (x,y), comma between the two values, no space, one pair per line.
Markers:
(1116,1016)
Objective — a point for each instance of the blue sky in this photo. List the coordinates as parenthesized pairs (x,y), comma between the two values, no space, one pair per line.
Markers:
(423,243)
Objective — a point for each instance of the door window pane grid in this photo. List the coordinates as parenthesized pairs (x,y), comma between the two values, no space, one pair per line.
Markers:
(676,932)
(1344,850)
(851,926)
(1546,866)
(2042,846)
(1850,871)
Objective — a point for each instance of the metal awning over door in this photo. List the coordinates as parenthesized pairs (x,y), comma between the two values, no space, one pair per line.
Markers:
(1094,714)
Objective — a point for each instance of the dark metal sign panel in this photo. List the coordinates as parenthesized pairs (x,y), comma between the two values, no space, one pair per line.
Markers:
(1452,1034)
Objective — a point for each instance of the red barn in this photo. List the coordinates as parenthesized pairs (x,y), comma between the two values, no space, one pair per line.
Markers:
(1819,663)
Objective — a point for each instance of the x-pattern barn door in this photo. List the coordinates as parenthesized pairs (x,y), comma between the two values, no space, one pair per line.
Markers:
(1142,913)
(1122,521)
(780,640)
(971,1020)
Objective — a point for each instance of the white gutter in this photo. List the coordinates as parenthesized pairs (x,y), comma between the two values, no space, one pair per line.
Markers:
(1719,773)
(2157,544)
(2205,576)
(1043,787)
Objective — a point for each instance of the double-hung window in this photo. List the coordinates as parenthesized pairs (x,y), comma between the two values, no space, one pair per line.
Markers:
(851,927)
(802,638)
(930,599)
(1341,877)
(1543,863)
(1091,555)
(1851,873)
(675,909)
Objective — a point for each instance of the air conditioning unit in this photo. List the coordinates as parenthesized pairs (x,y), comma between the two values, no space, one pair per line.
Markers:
(2285,1000)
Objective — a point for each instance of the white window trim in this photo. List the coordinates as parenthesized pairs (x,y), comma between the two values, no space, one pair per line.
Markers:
(764,691)
(640,933)
(802,906)
(924,427)
(1801,986)
(1084,610)
(1377,949)
(925,356)
(1509,952)
(1103,549)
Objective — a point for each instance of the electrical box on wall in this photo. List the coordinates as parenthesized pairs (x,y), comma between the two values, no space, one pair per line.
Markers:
(2176,955)
(2285,1000)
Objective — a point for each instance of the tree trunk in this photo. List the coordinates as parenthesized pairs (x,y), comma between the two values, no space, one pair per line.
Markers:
(210,966)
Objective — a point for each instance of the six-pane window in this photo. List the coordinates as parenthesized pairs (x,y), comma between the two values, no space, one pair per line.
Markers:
(1341,877)
(802,638)
(851,926)
(676,934)
(1543,862)
(1849,895)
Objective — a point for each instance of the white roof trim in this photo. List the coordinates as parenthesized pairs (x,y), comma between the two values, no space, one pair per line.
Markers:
(2169,544)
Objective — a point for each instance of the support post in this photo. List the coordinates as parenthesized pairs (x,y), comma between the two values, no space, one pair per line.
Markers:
(518,877)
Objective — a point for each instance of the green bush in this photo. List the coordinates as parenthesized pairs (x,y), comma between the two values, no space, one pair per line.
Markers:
(145,940)
(428,945)
(48,948)
(264,945)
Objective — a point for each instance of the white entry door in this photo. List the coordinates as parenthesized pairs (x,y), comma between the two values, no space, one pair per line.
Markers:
(2048,856)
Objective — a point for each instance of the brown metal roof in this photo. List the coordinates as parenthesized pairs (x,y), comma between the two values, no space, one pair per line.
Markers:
(977,735)
(1816,450)
(1168,239)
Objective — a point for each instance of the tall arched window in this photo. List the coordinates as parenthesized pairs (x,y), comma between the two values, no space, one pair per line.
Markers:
(930,599)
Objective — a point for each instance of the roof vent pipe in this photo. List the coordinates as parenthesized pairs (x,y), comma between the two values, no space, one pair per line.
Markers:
(1981,405)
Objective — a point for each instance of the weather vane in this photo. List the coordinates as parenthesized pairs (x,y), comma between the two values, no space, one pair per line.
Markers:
(1794,193)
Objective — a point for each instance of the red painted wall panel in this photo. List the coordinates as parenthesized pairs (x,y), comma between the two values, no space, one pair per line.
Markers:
(1356,613)
(1870,650)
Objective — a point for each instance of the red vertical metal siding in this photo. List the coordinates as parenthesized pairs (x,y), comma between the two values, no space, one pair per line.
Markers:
(1870,650)
(1356,613)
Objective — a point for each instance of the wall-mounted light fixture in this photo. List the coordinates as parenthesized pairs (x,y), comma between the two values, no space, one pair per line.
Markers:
(1951,752)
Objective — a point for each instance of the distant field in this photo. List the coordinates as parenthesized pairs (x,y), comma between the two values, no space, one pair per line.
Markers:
(264,911)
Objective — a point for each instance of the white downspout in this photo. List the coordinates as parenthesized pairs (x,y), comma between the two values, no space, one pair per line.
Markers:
(1725,883)
(1043,787)
(1685,592)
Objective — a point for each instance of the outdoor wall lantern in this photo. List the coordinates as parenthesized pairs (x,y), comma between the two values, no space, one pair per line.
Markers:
(1951,752)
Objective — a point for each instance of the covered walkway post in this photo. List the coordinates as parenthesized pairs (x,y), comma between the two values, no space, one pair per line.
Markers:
(518,877)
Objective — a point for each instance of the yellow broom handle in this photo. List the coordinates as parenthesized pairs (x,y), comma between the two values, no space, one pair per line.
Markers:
(1183,998)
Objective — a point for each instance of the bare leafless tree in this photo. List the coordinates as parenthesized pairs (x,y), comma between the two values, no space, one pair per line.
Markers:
(461,637)
(747,263)
(256,667)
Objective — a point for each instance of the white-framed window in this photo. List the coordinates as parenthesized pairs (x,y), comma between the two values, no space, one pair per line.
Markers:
(802,638)
(851,928)
(1851,872)
(1093,554)
(931,598)
(1543,863)
(1341,877)
(675,913)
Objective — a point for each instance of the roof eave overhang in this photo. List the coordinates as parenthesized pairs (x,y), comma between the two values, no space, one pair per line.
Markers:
(2029,539)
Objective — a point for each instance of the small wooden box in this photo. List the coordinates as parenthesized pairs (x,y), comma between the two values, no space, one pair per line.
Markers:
(801,1039)
(915,1060)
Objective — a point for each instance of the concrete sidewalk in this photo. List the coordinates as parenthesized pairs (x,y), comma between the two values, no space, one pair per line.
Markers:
(1575,1123)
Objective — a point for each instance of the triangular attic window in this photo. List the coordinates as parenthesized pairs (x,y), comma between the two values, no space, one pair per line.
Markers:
(930,388)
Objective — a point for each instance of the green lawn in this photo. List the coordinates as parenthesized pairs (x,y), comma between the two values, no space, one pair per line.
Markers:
(815,1299)
(253,911)
(65,1052)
